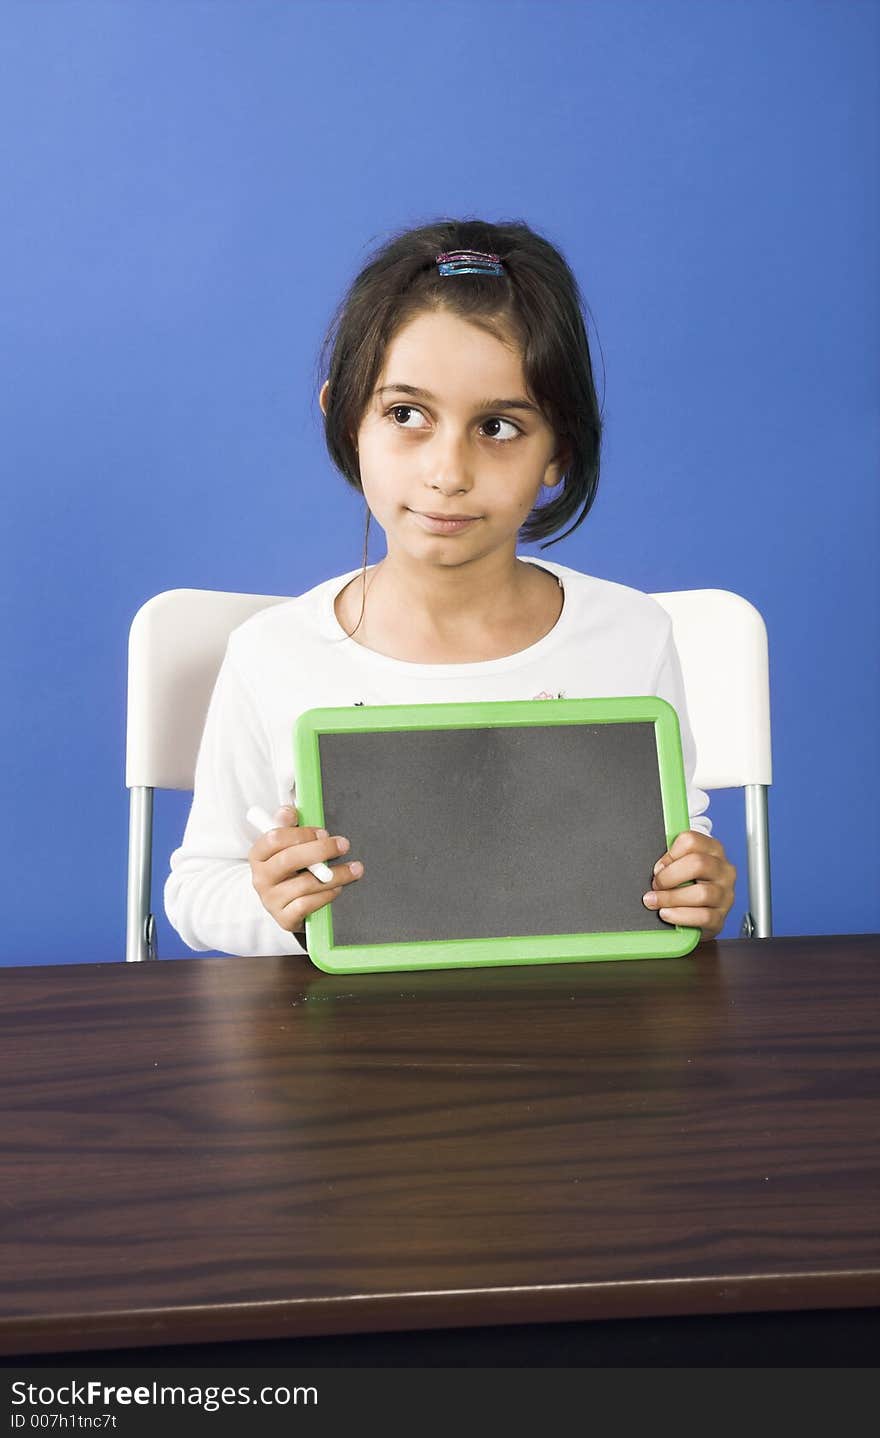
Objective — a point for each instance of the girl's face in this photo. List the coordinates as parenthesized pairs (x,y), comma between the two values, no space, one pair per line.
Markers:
(452,434)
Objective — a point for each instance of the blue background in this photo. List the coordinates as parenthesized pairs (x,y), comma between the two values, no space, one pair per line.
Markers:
(188,189)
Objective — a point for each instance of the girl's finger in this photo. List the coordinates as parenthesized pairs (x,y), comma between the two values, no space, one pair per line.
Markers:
(306,904)
(306,886)
(275,841)
(701,896)
(688,869)
(692,918)
(296,857)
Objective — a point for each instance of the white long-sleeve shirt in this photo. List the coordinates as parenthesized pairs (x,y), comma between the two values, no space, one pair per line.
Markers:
(609,640)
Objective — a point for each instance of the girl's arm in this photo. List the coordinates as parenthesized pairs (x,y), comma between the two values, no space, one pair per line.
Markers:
(209,894)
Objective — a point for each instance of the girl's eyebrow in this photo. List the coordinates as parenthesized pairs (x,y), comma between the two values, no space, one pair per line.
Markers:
(486,404)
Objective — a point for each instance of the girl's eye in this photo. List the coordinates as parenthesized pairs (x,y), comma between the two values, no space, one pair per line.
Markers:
(409,409)
(398,409)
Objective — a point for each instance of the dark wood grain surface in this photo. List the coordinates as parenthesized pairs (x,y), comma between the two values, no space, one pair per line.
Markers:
(234,1148)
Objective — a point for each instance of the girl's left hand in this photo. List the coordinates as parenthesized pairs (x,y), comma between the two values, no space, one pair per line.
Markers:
(705,903)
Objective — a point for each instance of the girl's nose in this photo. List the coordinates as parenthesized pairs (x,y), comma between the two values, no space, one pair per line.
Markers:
(450,471)
(449,486)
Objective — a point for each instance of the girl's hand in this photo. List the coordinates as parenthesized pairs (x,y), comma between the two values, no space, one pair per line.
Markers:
(279,866)
(704,904)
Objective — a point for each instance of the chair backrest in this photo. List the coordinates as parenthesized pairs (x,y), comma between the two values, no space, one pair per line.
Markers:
(178,638)
(175,648)
(722,642)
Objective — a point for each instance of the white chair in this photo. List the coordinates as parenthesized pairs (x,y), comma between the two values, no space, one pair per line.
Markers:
(722,642)
(177,642)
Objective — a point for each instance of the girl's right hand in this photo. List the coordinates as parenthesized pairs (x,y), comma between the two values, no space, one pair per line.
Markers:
(279,867)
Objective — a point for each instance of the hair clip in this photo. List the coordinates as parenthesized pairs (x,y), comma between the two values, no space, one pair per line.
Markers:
(469,262)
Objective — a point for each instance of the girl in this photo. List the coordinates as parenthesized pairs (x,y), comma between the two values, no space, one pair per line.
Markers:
(459,401)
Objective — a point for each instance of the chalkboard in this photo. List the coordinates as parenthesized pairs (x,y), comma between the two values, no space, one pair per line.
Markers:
(497,833)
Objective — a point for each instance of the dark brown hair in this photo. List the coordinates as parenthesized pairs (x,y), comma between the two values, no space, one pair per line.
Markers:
(536,303)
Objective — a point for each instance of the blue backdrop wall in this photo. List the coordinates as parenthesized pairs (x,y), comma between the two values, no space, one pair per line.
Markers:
(188,189)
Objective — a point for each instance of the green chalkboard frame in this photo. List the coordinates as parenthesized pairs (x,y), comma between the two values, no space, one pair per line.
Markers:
(669,942)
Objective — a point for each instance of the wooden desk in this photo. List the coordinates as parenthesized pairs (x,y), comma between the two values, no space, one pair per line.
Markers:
(228,1149)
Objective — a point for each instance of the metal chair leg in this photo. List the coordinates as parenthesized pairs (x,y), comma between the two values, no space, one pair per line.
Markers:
(758,921)
(140,928)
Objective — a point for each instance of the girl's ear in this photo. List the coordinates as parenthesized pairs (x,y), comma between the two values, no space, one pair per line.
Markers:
(324,399)
(555,470)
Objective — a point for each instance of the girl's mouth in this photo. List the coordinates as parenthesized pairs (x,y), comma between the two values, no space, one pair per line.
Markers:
(440,524)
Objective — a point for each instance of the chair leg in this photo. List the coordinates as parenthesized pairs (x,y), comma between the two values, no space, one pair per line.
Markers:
(758,921)
(140,930)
